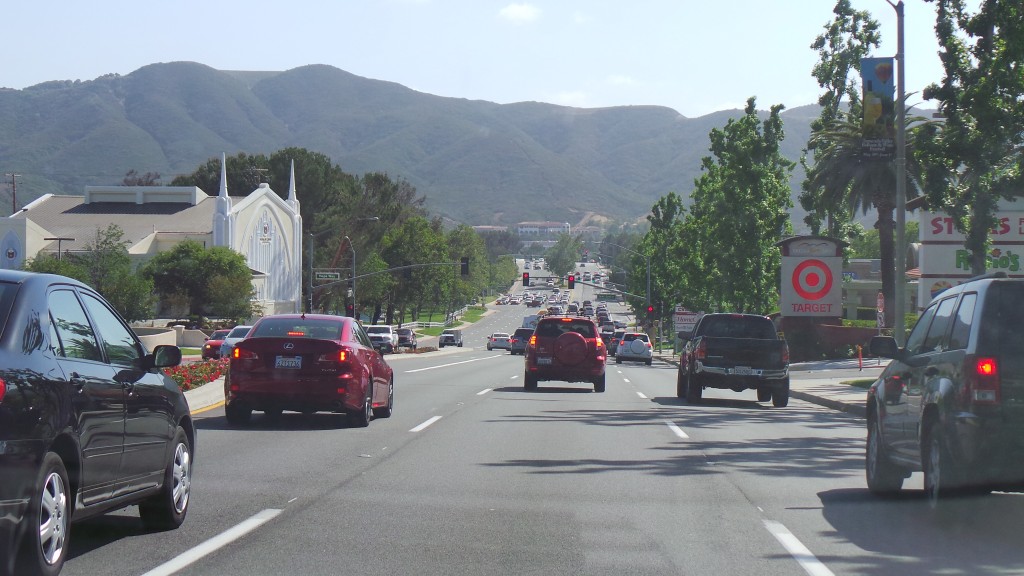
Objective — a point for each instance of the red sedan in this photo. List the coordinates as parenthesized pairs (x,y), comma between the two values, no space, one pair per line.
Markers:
(308,363)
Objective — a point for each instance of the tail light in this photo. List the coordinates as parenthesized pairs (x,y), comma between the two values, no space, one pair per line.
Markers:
(702,350)
(337,356)
(785,353)
(533,340)
(240,354)
(982,384)
(3,389)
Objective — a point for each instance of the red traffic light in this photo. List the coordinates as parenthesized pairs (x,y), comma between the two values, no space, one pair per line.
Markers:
(572,280)
(526,278)
(650,311)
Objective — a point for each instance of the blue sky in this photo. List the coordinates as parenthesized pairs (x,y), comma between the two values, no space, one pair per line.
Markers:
(693,56)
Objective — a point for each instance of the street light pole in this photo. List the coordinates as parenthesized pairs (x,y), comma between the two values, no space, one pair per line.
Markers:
(901,179)
(353,248)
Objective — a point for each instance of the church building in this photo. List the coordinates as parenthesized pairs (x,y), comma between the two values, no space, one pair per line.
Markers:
(263,227)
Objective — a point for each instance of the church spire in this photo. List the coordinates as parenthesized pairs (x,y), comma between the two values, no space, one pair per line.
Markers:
(223,175)
(291,182)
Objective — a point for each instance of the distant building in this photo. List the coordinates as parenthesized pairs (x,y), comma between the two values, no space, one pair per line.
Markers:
(264,228)
(490,229)
(541,229)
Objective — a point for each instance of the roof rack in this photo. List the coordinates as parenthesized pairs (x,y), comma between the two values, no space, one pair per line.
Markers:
(987,275)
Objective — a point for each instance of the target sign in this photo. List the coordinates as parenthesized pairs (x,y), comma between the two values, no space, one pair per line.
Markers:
(812,279)
(809,286)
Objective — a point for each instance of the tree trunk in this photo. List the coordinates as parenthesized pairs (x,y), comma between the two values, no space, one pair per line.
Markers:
(887,244)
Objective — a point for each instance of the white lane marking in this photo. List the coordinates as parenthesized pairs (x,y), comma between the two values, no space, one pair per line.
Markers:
(514,377)
(626,380)
(213,544)
(484,391)
(676,430)
(425,424)
(797,550)
(641,394)
(451,364)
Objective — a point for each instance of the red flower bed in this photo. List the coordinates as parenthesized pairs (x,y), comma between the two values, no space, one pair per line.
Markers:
(195,374)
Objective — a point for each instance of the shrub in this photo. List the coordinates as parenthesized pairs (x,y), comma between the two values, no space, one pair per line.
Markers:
(196,374)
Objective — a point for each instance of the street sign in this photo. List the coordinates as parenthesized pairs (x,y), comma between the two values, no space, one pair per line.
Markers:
(327,275)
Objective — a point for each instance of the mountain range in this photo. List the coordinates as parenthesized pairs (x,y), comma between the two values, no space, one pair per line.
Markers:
(476,162)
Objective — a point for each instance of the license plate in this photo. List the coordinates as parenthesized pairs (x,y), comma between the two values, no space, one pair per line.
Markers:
(543,361)
(742,371)
(291,362)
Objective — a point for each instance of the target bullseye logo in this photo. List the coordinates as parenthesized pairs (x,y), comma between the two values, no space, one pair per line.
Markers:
(812,279)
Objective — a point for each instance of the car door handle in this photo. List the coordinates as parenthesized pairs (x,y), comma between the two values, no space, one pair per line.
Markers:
(77,381)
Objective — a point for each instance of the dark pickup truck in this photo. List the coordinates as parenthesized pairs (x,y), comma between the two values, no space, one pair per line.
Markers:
(735,352)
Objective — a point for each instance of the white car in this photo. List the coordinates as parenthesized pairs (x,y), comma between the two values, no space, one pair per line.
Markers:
(383,337)
(499,340)
(636,347)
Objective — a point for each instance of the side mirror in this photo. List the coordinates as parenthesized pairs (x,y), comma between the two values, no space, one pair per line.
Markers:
(163,356)
(884,346)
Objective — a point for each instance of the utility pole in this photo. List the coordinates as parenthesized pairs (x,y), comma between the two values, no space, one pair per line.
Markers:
(14,190)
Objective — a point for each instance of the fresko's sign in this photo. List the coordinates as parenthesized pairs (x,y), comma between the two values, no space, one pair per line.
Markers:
(944,262)
(812,277)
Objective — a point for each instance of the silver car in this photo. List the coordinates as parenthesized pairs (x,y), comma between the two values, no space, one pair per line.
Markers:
(237,334)
(636,347)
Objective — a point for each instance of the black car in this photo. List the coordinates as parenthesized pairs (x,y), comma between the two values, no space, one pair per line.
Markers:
(88,421)
(951,402)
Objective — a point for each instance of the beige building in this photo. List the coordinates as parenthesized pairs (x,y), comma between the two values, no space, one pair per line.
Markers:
(263,227)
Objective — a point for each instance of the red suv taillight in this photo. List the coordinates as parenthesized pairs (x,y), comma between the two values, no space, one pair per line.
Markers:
(3,389)
(982,384)
(702,350)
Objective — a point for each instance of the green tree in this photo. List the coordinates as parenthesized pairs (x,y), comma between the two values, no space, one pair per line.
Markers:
(416,241)
(974,157)
(847,39)
(198,274)
(563,256)
(668,281)
(742,200)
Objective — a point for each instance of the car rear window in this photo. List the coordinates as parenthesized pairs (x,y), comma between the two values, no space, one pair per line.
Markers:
(298,328)
(524,332)
(740,327)
(559,327)
(631,337)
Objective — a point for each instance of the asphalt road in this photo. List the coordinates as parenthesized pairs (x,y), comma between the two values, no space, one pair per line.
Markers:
(473,475)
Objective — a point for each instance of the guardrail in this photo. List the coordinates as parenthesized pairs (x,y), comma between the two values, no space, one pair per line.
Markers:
(451,319)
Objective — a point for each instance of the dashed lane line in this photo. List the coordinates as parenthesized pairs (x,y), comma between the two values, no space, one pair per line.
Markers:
(213,544)
(423,426)
(808,561)
(451,364)
(676,430)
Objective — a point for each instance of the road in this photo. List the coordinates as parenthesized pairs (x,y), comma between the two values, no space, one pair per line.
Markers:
(473,475)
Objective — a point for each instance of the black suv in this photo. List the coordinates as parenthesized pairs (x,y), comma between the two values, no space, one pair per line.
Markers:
(88,421)
(951,403)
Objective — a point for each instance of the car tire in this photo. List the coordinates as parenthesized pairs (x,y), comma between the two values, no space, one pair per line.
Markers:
(167,510)
(529,382)
(780,395)
(237,415)
(45,546)
(764,393)
(599,383)
(361,418)
(682,382)
(884,478)
(385,411)
(618,360)
(942,476)
(649,362)
(694,391)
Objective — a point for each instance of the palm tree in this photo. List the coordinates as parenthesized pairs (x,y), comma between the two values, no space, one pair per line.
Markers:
(850,180)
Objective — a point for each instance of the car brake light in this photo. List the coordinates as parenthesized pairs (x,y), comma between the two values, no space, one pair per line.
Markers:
(983,382)
(533,340)
(566,319)
(239,354)
(336,356)
(296,333)
(3,389)
(702,351)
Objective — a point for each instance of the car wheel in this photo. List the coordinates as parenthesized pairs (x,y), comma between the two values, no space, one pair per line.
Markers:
(682,382)
(649,362)
(884,478)
(46,540)
(780,395)
(599,384)
(361,418)
(488,347)
(694,391)
(940,473)
(618,360)
(385,412)
(529,381)
(764,393)
(237,415)
(167,509)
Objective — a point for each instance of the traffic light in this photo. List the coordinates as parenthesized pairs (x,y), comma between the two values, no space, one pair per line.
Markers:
(572,281)
(350,310)
(465,266)
(526,278)
(650,312)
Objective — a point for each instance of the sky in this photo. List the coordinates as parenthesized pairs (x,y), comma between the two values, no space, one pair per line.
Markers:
(696,57)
